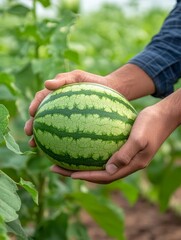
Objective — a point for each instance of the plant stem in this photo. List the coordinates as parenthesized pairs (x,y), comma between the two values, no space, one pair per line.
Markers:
(34,11)
(41,188)
(37,45)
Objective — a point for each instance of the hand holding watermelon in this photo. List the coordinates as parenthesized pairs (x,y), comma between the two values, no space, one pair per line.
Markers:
(130,80)
(151,128)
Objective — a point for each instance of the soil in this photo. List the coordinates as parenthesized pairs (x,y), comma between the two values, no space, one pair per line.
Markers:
(143,221)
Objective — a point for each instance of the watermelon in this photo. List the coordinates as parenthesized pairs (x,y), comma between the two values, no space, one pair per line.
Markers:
(79,126)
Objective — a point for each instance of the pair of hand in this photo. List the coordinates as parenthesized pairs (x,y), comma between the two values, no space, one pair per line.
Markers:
(148,133)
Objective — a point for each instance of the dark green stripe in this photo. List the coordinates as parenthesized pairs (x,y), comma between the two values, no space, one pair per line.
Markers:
(85,112)
(77,135)
(89,93)
(70,160)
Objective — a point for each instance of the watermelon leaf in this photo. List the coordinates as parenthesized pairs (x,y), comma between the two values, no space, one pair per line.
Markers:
(127,189)
(72,55)
(9,200)
(77,231)
(104,212)
(4,119)
(45,3)
(8,80)
(3,232)
(16,228)
(30,188)
(18,9)
(168,186)
(11,144)
(55,228)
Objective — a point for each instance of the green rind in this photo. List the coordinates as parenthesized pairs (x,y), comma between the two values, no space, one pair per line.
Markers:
(75,102)
(88,89)
(80,148)
(78,135)
(86,112)
(67,162)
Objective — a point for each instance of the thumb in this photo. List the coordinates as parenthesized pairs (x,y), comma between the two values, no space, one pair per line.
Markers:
(73,77)
(125,154)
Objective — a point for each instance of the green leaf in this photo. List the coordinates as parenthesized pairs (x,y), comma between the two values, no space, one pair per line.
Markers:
(16,228)
(4,120)
(30,188)
(47,68)
(8,80)
(13,146)
(26,81)
(3,232)
(45,3)
(9,200)
(55,229)
(168,186)
(104,212)
(11,143)
(72,56)
(10,160)
(19,10)
(77,231)
(127,189)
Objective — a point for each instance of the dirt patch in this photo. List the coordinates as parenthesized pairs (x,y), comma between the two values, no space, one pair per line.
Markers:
(143,221)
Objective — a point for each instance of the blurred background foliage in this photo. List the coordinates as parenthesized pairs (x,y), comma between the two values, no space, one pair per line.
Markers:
(35,47)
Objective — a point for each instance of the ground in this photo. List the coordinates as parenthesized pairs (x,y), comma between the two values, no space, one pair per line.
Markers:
(143,221)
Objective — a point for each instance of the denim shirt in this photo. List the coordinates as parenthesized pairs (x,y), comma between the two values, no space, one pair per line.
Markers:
(161,58)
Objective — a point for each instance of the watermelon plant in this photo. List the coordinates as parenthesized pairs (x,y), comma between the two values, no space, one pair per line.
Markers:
(35,46)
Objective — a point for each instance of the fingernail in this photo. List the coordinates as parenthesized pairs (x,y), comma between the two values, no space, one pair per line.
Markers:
(111,168)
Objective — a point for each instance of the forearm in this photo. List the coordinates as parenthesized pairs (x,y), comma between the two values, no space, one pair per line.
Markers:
(170,108)
(131,81)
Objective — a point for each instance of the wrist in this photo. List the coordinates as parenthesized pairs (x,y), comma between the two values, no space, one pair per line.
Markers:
(170,107)
(131,81)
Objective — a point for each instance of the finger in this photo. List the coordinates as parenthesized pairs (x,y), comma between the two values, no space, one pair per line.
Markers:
(37,100)
(101,177)
(61,171)
(126,153)
(28,128)
(138,162)
(73,77)
(60,80)
(32,142)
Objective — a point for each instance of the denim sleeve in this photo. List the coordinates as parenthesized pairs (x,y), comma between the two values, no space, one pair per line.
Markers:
(161,58)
